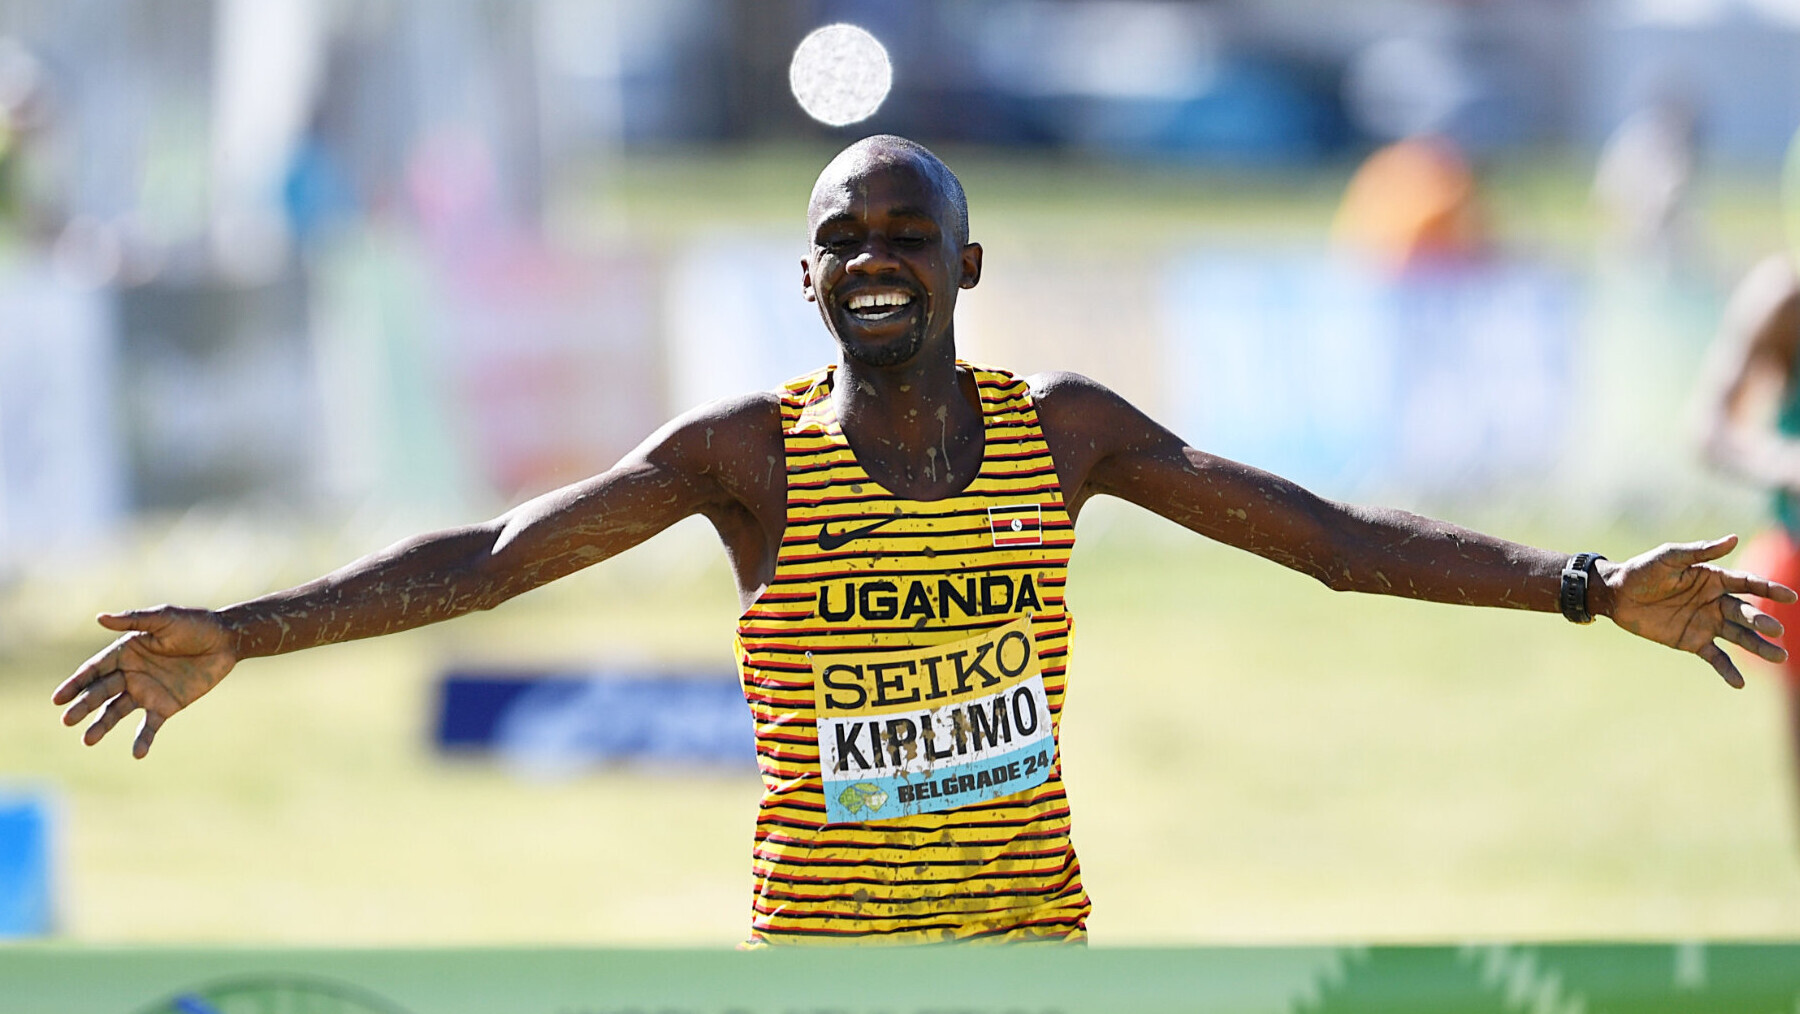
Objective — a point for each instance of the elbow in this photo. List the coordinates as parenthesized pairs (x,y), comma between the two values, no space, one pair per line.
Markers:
(1342,563)
(488,582)
(1330,569)
(1369,577)
(484,597)
(1336,578)
(484,576)
(1329,557)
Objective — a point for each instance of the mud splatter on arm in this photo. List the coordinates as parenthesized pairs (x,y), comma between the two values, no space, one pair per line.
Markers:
(1104,445)
(695,464)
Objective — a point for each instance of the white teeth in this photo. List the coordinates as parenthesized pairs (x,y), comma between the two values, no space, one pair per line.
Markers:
(866,300)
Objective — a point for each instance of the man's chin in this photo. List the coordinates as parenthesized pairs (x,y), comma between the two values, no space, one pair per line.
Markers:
(891,352)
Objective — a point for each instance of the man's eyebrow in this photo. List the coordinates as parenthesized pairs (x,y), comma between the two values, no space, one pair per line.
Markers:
(906,211)
(909,211)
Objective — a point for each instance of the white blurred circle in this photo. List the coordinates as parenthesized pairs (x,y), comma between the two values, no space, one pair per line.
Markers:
(840,74)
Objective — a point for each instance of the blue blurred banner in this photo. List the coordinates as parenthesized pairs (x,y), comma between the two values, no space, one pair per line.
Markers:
(552,724)
(1657,978)
(26,901)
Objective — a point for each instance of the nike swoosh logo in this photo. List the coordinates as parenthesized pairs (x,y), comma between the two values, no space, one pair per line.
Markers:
(829,540)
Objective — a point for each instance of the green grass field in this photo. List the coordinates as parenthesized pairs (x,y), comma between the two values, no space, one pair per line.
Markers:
(1251,759)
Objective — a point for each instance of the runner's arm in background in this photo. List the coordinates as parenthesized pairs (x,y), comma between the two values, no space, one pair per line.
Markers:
(1671,595)
(168,657)
(1749,373)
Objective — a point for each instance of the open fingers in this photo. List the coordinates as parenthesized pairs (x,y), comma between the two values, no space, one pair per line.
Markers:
(104,661)
(146,733)
(1746,615)
(1740,582)
(1686,554)
(96,694)
(1715,656)
(148,620)
(115,712)
(1746,638)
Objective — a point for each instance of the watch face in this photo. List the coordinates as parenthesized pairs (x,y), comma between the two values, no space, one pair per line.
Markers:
(275,995)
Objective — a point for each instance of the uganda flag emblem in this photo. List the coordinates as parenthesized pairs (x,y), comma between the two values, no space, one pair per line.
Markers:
(1017,524)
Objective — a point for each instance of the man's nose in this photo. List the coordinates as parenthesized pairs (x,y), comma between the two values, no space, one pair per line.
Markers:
(874,255)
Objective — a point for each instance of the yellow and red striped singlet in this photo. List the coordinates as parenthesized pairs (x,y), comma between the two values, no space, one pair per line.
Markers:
(905,668)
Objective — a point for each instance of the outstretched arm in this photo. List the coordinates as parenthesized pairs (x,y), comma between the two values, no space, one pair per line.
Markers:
(1673,595)
(168,657)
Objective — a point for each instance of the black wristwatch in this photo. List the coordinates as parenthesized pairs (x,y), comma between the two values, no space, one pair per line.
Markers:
(1574,596)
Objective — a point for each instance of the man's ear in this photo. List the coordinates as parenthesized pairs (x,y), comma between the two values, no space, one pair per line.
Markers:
(971,266)
(806,285)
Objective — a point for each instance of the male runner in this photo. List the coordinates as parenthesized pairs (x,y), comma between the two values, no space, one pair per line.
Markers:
(899,528)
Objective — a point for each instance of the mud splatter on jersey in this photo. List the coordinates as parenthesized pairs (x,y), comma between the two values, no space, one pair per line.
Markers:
(905,669)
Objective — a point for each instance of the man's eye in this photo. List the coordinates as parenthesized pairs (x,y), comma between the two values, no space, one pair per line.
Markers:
(909,240)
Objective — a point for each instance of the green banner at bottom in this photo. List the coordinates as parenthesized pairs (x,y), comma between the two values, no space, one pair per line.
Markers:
(1679,978)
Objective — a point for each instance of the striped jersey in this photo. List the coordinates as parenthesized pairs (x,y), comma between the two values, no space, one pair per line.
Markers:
(905,669)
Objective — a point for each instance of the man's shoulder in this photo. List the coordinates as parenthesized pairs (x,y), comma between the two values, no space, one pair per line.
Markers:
(1067,393)
(753,410)
(1078,411)
(1060,383)
(726,429)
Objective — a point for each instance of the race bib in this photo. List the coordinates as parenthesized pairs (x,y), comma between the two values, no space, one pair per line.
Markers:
(928,729)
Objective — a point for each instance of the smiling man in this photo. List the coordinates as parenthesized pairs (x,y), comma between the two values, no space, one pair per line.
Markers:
(899,527)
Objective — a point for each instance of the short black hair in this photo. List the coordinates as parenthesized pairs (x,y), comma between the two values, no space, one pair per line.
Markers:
(882,146)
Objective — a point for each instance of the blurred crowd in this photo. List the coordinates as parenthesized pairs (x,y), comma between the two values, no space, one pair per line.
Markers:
(303,254)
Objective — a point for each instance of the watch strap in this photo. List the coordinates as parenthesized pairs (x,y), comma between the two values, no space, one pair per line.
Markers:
(1573,597)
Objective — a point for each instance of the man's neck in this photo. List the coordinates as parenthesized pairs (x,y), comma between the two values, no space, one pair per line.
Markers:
(914,428)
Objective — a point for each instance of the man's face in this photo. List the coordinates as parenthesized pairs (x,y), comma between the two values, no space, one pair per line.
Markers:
(886,262)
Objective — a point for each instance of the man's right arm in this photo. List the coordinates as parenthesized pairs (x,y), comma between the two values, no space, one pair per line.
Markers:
(168,657)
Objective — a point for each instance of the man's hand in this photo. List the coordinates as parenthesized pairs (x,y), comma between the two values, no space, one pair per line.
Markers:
(166,661)
(1673,596)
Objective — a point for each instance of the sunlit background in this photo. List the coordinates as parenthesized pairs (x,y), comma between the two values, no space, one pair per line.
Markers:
(282,281)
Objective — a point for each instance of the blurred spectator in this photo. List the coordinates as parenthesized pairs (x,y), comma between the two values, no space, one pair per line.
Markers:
(1644,181)
(1752,431)
(27,206)
(1410,203)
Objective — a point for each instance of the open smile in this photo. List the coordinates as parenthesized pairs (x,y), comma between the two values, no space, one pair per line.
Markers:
(873,306)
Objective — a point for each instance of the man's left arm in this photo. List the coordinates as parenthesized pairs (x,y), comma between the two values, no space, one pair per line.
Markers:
(1673,594)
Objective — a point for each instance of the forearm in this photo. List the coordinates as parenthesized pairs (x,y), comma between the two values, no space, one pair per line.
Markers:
(1345,547)
(1395,552)
(448,573)
(412,583)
